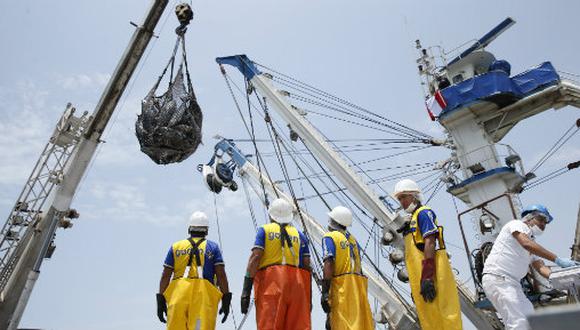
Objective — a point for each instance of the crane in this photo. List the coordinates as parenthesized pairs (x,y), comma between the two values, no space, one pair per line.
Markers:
(27,236)
(347,176)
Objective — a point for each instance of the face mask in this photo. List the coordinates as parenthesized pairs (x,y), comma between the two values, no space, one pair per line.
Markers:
(536,231)
(411,207)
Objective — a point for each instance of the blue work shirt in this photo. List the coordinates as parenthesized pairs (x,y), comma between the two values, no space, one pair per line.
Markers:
(329,248)
(426,220)
(178,257)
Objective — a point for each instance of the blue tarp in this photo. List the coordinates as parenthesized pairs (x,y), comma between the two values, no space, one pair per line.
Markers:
(497,86)
(537,78)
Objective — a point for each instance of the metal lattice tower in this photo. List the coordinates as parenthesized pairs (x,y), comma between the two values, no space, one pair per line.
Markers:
(46,175)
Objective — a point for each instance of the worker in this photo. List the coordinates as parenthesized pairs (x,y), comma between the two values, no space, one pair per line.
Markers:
(344,288)
(432,282)
(279,268)
(190,299)
(513,251)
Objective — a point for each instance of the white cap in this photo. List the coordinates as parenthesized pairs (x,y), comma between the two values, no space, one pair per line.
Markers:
(281,211)
(407,186)
(198,219)
(341,215)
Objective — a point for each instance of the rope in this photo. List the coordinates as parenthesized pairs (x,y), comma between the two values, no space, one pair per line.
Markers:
(115,116)
(559,143)
(298,83)
(229,84)
(346,112)
(417,167)
(293,194)
(250,131)
(253,136)
(217,219)
(280,146)
(552,175)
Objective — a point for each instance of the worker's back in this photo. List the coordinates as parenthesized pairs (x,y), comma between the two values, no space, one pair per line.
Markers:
(269,238)
(180,253)
(345,250)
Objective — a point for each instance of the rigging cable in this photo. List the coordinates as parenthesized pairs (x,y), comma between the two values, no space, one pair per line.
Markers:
(339,100)
(217,220)
(252,136)
(561,141)
(259,159)
(552,175)
(366,255)
(272,130)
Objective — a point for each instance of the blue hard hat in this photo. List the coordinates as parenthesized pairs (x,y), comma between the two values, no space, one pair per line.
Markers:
(537,208)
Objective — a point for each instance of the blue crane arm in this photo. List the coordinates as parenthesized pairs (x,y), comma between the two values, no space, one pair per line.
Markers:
(242,62)
(228,147)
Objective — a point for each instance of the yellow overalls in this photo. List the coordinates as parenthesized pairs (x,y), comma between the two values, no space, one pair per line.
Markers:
(192,301)
(444,312)
(349,305)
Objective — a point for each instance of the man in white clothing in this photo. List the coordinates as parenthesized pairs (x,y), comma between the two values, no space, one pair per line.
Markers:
(509,260)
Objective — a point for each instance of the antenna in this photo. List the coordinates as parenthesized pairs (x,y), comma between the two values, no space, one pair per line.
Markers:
(486,39)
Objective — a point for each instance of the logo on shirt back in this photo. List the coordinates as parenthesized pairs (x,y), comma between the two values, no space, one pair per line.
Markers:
(185,252)
(344,244)
(273,236)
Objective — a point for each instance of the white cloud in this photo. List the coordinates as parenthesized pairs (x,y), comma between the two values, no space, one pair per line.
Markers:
(227,203)
(129,203)
(132,202)
(121,147)
(25,129)
(83,80)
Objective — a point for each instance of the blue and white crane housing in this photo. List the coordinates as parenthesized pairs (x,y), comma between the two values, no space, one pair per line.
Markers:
(477,100)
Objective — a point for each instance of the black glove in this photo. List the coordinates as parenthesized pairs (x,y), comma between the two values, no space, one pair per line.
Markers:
(161,307)
(246,293)
(225,309)
(405,228)
(428,290)
(325,297)
(428,280)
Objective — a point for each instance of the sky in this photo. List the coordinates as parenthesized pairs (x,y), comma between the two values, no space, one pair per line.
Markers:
(105,271)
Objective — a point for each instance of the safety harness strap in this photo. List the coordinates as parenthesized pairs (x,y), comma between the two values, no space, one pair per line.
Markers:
(195,250)
(285,241)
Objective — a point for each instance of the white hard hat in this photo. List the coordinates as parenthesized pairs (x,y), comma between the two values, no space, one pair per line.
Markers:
(280,211)
(198,219)
(341,215)
(407,186)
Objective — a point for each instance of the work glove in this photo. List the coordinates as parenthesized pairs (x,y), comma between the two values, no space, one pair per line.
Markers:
(161,307)
(405,228)
(246,293)
(325,297)
(225,309)
(565,262)
(428,280)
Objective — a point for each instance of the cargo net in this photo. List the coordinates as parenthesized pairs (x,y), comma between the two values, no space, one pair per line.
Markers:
(169,126)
